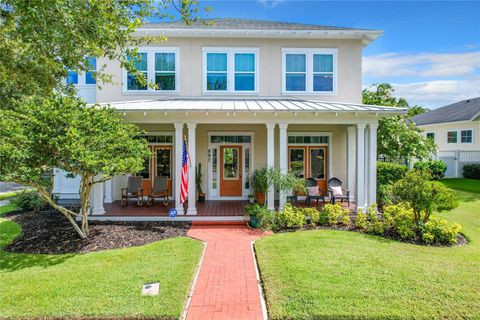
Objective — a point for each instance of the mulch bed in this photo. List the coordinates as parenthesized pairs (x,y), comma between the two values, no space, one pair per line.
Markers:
(50,232)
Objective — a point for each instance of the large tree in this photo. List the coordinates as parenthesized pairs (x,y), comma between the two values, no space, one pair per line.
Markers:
(43,125)
(399,139)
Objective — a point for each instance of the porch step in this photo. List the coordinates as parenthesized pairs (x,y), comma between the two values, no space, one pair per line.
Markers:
(219,223)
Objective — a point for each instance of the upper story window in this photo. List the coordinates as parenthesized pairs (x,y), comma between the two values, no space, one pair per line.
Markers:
(431,136)
(87,78)
(230,70)
(159,66)
(311,71)
(452,137)
(466,136)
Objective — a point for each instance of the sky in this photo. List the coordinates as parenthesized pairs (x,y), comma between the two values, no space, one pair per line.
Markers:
(430,50)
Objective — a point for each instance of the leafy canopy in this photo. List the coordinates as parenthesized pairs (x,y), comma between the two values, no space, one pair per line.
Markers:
(398,138)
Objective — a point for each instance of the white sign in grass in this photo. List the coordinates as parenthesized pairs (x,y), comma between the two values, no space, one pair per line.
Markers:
(151,289)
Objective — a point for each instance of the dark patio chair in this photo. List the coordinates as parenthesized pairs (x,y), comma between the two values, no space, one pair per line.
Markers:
(310,182)
(133,190)
(159,190)
(335,182)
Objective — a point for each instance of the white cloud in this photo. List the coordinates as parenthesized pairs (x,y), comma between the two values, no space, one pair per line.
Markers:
(421,64)
(437,93)
(270,3)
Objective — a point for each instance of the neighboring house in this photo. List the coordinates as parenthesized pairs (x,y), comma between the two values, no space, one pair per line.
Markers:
(248,94)
(456,131)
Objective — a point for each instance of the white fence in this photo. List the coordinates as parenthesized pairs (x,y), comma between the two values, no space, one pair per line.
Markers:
(455,160)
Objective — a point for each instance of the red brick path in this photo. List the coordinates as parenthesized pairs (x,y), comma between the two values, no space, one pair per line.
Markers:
(227,286)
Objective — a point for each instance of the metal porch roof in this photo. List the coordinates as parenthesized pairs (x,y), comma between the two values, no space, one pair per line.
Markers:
(249,105)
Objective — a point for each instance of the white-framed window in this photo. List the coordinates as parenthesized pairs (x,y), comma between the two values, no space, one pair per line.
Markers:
(431,136)
(83,78)
(159,65)
(232,70)
(452,136)
(466,136)
(309,70)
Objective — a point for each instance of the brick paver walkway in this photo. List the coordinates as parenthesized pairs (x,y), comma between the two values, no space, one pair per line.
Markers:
(227,286)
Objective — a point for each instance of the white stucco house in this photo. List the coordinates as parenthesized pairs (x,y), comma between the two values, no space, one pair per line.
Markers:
(265,93)
(455,129)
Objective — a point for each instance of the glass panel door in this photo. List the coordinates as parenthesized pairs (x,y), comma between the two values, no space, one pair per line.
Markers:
(230,163)
(163,164)
(297,161)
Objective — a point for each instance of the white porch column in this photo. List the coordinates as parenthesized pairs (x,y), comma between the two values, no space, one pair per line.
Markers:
(360,199)
(96,200)
(192,190)
(283,159)
(178,166)
(108,191)
(351,160)
(270,162)
(372,164)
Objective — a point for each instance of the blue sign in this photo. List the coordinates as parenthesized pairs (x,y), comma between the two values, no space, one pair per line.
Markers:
(172,213)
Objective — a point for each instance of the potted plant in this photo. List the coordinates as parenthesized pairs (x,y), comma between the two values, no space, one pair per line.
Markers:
(251,198)
(253,212)
(199,183)
(260,181)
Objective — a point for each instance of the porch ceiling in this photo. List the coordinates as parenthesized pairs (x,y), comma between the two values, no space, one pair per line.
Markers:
(280,104)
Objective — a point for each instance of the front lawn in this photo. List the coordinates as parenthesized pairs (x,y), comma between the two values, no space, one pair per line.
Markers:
(103,283)
(345,275)
(468,185)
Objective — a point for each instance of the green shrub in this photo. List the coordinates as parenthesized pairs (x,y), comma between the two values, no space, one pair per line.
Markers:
(399,220)
(361,220)
(436,168)
(29,201)
(440,231)
(290,218)
(335,214)
(313,214)
(374,225)
(471,171)
(422,195)
(387,174)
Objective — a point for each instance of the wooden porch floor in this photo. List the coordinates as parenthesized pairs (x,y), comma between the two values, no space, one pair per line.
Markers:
(211,208)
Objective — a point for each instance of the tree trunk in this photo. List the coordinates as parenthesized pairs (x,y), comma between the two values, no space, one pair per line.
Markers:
(70,215)
(86,188)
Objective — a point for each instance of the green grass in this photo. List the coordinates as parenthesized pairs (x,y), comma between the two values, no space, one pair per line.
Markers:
(9,195)
(104,283)
(468,185)
(328,274)
(7,208)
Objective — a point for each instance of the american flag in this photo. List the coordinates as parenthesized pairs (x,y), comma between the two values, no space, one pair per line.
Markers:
(184,186)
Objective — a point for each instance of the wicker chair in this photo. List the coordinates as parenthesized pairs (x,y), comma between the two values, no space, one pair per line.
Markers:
(160,190)
(310,182)
(335,182)
(133,190)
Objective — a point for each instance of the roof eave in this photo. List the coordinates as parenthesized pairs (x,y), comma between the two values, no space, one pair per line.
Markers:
(367,36)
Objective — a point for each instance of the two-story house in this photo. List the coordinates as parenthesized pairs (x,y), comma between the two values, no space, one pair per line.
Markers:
(246,94)
(455,129)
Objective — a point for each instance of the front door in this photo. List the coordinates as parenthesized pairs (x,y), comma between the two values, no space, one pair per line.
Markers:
(146,173)
(231,170)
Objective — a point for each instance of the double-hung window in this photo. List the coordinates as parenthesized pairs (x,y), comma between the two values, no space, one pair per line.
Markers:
(141,64)
(311,71)
(452,137)
(83,78)
(159,66)
(466,136)
(230,70)
(431,136)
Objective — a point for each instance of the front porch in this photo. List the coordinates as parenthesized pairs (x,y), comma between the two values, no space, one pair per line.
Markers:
(210,210)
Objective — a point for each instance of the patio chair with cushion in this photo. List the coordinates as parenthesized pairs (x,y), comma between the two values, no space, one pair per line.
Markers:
(159,190)
(313,193)
(133,190)
(337,192)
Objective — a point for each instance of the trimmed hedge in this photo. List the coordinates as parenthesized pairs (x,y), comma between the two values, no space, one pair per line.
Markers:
(436,168)
(471,171)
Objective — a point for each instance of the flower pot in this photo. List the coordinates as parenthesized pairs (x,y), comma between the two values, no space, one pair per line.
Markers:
(253,222)
(201,197)
(251,199)
(260,197)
